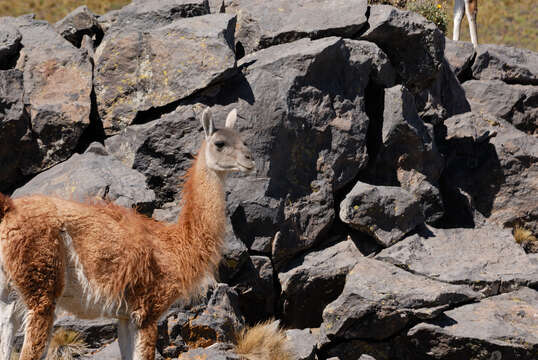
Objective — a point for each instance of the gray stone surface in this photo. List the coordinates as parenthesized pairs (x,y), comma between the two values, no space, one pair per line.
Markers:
(460,56)
(10,44)
(487,259)
(313,281)
(78,23)
(218,351)
(492,171)
(509,64)
(137,70)
(302,344)
(95,333)
(500,327)
(387,213)
(262,24)
(517,104)
(57,81)
(255,287)
(93,174)
(379,300)
(109,352)
(414,45)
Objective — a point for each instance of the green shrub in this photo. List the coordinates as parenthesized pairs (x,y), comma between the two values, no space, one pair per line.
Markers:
(432,10)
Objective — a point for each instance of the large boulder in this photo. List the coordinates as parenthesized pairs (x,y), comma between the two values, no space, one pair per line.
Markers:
(414,45)
(487,259)
(10,44)
(460,56)
(162,150)
(261,24)
(57,83)
(379,300)
(302,112)
(15,131)
(93,174)
(95,333)
(255,288)
(144,14)
(140,70)
(509,64)
(517,104)
(78,23)
(387,213)
(217,351)
(302,343)
(314,280)
(408,155)
(500,327)
(492,172)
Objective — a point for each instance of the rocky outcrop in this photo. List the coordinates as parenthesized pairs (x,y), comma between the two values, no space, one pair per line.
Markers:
(138,70)
(393,166)
(94,174)
(487,259)
(262,24)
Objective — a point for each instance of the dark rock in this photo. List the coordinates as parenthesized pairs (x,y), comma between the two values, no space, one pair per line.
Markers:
(162,150)
(414,45)
(94,333)
(10,44)
(93,174)
(234,256)
(500,327)
(487,259)
(218,351)
(302,344)
(136,71)
(387,213)
(517,104)
(143,14)
(379,300)
(313,281)
(218,322)
(408,155)
(509,64)
(15,131)
(460,56)
(444,98)
(78,23)
(493,167)
(255,288)
(262,24)
(217,6)
(57,87)
(108,352)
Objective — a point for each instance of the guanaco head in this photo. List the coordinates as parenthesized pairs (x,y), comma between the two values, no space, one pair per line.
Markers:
(225,150)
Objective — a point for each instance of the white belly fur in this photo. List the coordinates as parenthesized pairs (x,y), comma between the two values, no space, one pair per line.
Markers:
(79,297)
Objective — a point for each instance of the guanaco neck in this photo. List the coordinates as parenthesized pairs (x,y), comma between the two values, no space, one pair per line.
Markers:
(201,223)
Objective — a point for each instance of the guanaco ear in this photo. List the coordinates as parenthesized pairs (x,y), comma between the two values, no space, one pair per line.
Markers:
(207,123)
(232,117)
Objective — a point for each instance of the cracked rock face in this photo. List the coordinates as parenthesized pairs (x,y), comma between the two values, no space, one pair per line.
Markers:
(261,24)
(137,70)
(379,300)
(500,327)
(487,259)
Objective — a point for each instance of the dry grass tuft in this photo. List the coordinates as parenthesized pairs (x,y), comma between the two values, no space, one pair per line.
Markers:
(66,345)
(526,239)
(265,341)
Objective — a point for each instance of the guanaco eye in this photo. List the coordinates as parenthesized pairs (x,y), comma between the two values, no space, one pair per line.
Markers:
(220,144)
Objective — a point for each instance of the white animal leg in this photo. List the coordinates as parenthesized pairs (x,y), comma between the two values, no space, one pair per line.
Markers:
(126,338)
(10,318)
(471,18)
(459,10)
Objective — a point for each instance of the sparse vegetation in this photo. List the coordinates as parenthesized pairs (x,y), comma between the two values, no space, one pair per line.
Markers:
(525,238)
(263,341)
(66,345)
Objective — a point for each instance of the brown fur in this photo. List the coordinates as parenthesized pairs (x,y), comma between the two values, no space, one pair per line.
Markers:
(126,257)
(473,7)
(265,341)
(6,204)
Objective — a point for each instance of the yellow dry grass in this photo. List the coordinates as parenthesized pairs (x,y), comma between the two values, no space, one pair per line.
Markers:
(265,341)
(525,238)
(54,10)
(66,345)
